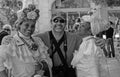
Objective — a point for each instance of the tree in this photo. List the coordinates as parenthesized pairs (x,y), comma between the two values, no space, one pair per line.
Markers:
(8,10)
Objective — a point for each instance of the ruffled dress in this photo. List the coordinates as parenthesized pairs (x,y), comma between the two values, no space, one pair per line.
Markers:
(86,59)
(17,57)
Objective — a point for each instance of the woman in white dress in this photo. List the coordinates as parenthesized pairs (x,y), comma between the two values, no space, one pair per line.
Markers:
(86,58)
(24,55)
(90,60)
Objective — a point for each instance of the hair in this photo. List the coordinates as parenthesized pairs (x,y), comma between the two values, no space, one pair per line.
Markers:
(28,13)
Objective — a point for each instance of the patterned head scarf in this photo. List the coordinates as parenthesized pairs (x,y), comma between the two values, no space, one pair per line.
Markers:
(28,13)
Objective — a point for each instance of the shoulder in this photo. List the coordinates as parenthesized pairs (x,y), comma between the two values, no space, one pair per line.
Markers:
(4,50)
(74,38)
(40,35)
(72,35)
(37,39)
(7,39)
(44,37)
(41,44)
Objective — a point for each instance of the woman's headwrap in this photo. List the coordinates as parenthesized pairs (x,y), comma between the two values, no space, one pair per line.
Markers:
(28,13)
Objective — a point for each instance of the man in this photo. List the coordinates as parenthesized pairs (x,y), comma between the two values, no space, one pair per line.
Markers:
(109,36)
(6,31)
(61,46)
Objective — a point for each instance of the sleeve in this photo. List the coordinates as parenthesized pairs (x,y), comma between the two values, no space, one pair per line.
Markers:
(79,54)
(3,56)
(91,48)
(43,47)
(6,40)
(44,52)
(44,37)
(87,48)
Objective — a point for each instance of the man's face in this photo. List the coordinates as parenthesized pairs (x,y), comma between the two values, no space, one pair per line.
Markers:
(58,24)
(82,29)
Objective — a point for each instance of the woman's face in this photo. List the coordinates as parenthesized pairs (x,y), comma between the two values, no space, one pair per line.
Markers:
(27,28)
(58,25)
(84,28)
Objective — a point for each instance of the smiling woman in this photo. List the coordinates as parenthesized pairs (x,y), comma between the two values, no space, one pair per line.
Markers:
(26,55)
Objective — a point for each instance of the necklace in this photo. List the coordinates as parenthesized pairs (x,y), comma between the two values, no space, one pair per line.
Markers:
(33,46)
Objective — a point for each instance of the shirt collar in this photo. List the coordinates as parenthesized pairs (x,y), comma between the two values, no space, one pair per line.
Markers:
(18,40)
(21,35)
(87,38)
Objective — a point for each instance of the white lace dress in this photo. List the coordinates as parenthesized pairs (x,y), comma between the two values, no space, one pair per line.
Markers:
(17,56)
(86,59)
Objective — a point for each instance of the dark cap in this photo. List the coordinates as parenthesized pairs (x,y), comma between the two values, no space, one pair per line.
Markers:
(58,15)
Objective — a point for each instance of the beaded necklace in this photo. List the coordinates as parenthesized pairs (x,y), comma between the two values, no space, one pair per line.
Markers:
(33,46)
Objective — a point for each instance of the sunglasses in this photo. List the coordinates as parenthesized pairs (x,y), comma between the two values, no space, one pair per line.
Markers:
(56,20)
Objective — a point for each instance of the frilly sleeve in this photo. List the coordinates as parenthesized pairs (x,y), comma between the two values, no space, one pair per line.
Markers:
(6,40)
(88,48)
(3,56)
(44,52)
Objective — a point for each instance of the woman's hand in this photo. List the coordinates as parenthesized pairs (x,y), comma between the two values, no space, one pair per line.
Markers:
(100,42)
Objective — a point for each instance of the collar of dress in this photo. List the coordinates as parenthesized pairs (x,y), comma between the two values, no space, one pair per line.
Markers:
(18,39)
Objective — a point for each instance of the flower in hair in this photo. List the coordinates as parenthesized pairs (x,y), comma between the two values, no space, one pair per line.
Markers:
(27,13)
(31,6)
(26,10)
(32,15)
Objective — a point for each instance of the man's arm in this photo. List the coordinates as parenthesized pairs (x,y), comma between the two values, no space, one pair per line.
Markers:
(3,74)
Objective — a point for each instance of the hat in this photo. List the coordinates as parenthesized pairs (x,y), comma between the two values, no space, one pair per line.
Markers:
(28,13)
(59,15)
(7,26)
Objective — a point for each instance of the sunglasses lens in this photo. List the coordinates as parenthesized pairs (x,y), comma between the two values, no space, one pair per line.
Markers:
(58,20)
(55,20)
(62,21)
